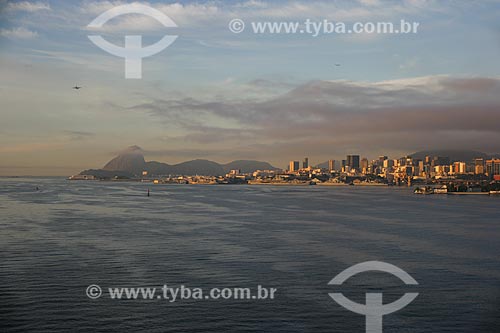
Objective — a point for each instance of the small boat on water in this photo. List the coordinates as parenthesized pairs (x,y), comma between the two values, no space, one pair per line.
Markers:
(441,190)
(424,190)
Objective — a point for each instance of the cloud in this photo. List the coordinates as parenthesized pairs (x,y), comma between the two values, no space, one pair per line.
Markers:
(409,64)
(397,115)
(261,84)
(370,2)
(27,6)
(18,33)
(30,147)
(182,14)
(78,135)
(214,15)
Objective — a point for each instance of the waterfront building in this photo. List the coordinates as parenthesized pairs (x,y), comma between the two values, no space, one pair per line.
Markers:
(235,172)
(479,166)
(305,163)
(459,168)
(493,167)
(353,161)
(294,166)
(364,165)
(331,165)
(388,164)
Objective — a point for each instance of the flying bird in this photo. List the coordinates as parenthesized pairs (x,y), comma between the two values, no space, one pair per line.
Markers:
(77,87)
(337,65)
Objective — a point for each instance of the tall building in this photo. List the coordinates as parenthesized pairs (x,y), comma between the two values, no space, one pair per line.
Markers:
(479,166)
(421,168)
(294,166)
(364,165)
(388,164)
(353,161)
(407,160)
(305,163)
(459,167)
(493,167)
(331,165)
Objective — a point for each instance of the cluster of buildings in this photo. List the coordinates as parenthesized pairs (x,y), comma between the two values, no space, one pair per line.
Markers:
(360,171)
(396,171)
(353,170)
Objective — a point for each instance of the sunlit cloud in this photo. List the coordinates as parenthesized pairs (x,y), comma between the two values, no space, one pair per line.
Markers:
(30,147)
(18,33)
(397,114)
(26,6)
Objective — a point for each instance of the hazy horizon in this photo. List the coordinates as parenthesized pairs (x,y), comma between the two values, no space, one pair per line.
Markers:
(217,95)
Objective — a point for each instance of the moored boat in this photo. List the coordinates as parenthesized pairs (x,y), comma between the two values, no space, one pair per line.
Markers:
(441,190)
(423,190)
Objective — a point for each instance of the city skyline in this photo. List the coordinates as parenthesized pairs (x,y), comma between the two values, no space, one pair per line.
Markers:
(470,173)
(133,162)
(298,164)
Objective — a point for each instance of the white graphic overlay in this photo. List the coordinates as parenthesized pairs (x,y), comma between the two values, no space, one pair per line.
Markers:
(133,52)
(374,309)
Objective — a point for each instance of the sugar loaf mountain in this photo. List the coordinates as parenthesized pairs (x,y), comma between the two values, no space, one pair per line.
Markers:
(130,163)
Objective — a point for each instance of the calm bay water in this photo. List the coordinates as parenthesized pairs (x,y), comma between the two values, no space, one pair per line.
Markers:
(56,241)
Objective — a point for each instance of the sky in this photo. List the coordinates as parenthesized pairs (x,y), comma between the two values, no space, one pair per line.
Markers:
(218,95)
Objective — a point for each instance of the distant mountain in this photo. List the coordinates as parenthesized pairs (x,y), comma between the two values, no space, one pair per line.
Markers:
(198,167)
(130,162)
(157,168)
(247,166)
(454,155)
(195,167)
